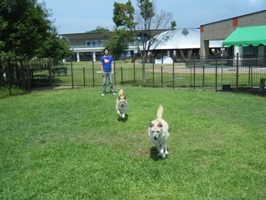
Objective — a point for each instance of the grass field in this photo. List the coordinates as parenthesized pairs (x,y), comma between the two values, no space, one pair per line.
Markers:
(70,144)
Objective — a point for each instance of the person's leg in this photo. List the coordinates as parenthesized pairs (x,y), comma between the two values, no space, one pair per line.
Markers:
(111,82)
(104,84)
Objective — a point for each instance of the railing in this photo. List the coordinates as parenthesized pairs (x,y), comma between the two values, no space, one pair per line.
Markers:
(207,73)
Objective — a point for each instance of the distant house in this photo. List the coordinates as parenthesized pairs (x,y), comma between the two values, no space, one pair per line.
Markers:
(89,46)
(85,46)
(182,42)
(221,30)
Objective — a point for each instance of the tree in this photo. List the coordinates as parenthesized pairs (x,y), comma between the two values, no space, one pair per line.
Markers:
(141,24)
(54,47)
(118,43)
(99,29)
(26,26)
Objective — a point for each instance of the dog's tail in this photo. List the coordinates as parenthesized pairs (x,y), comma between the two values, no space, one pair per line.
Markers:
(160,112)
(121,92)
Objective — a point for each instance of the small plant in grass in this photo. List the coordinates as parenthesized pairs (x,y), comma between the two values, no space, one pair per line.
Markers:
(14,90)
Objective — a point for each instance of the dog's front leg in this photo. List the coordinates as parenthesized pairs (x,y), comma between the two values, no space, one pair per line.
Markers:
(118,112)
(165,149)
(162,152)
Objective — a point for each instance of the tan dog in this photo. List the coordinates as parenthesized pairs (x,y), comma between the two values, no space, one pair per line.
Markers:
(121,104)
(158,133)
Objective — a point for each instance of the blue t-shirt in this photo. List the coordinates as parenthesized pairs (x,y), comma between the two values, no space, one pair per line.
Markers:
(106,61)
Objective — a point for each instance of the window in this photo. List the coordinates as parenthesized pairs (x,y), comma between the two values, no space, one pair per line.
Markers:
(250,51)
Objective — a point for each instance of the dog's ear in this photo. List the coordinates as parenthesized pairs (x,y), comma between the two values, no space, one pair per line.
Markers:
(119,98)
(160,125)
(151,125)
(125,98)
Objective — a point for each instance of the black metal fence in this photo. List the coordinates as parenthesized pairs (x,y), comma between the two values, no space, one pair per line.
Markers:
(216,73)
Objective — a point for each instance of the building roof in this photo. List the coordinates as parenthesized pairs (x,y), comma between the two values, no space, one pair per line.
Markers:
(245,36)
(234,17)
(181,38)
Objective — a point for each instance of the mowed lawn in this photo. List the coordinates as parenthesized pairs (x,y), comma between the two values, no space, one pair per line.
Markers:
(70,144)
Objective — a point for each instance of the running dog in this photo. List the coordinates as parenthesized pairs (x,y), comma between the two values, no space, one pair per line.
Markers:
(121,104)
(158,133)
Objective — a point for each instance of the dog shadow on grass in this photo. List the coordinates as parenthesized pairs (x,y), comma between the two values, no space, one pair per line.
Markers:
(120,119)
(154,154)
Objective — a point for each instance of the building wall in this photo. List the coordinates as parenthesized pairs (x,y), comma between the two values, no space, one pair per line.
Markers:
(222,29)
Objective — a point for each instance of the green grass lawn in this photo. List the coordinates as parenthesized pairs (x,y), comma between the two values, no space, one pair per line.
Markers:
(70,144)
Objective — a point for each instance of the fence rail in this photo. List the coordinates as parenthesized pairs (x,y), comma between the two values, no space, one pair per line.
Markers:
(212,73)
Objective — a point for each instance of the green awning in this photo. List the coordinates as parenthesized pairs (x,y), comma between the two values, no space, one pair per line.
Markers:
(245,36)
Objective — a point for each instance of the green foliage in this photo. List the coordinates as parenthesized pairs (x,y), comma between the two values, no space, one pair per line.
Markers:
(99,29)
(118,43)
(124,14)
(173,25)
(26,32)
(53,47)
(142,22)
(70,144)
(146,9)
(25,27)
(15,91)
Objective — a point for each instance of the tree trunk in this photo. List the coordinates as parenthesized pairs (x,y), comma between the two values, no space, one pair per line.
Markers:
(9,75)
(2,80)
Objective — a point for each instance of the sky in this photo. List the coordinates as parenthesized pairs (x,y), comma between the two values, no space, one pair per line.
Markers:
(79,16)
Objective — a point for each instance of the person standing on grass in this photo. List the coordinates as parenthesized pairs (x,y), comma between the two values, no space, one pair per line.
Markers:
(107,65)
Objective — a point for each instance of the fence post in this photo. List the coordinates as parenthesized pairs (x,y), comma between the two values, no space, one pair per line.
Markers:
(153,74)
(72,76)
(28,77)
(222,71)
(93,73)
(121,75)
(134,66)
(237,57)
(114,73)
(194,72)
(161,76)
(50,73)
(249,82)
(216,72)
(190,74)
(251,72)
(173,74)
(262,85)
(83,69)
(9,76)
(203,75)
